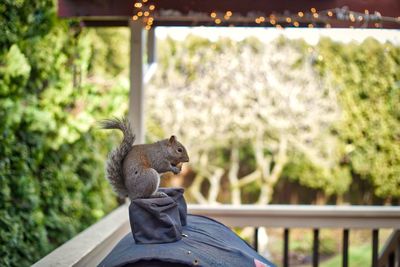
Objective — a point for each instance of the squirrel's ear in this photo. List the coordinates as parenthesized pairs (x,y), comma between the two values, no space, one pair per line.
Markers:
(172,139)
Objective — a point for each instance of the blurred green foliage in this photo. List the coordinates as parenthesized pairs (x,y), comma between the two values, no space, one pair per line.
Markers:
(368,77)
(52,154)
(333,180)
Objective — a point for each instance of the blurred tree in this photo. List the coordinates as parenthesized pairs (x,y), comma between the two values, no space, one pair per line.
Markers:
(236,95)
(368,76)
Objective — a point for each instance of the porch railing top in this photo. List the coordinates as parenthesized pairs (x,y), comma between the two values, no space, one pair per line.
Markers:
(90,246)
(303,216)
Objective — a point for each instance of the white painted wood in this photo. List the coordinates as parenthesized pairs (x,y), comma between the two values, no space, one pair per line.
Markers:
(151,46)
(92,245)
(150,71)
(136,93)
(303,216)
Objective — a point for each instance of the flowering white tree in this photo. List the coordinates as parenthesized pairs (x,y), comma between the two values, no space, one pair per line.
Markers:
(269,98)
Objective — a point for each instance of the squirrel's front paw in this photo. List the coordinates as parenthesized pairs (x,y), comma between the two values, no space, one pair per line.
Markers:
(175,167)
(176,170)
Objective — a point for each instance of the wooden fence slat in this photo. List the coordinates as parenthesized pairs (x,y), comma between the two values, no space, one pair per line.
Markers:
(286,248)
(255,239)
(345,248)
(375,247)
(316,248)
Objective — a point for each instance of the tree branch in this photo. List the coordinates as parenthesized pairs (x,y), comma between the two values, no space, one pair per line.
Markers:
(233,176)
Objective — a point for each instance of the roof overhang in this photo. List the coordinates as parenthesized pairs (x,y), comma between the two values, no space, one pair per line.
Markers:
(196,12)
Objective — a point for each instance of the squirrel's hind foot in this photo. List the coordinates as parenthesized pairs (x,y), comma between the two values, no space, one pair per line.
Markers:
(158,195)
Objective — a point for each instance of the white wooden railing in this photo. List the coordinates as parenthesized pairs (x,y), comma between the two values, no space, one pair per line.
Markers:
(92,245)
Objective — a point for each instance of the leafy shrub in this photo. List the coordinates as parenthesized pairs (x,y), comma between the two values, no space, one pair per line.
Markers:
(51,153)
(368,76)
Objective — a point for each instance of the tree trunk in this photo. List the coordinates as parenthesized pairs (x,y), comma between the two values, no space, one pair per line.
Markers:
(233,176)
(320,198)
(215,185)
(195,189)
(270,181)
(265,194)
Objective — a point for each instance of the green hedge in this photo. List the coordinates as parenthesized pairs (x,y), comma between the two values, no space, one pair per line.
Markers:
(52,154)
(368,77)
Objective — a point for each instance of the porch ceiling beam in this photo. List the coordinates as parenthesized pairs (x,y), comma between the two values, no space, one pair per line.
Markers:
(117,13)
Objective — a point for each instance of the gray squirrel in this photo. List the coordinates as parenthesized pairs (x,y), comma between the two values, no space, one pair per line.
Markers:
(134,170)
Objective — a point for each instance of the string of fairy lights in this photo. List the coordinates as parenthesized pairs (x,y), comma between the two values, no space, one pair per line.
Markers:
(145,12)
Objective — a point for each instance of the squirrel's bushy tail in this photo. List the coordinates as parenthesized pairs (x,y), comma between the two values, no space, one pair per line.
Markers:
(116,157)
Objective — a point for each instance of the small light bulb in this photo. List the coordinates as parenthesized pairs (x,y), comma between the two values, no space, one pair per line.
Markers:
(315,15)
(330,13)
(313,10)
(135,17)
(138,5)
(310,26)
(146,13)
(288,20)
(217,21)
(152,7)
(272,21)
(352,18)
(213,14)
(301,14)
(140,13)
(296,24)
(228,13)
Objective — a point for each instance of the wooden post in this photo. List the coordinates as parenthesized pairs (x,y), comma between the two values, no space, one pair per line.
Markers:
(286,247)
(375,247)
(151,46)
(316,248)
(255,244)
(136,93)
(345,248)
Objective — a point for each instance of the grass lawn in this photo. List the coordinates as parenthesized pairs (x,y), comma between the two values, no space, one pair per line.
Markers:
(359,256)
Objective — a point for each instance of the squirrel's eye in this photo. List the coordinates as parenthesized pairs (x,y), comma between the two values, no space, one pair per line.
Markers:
(180,150)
